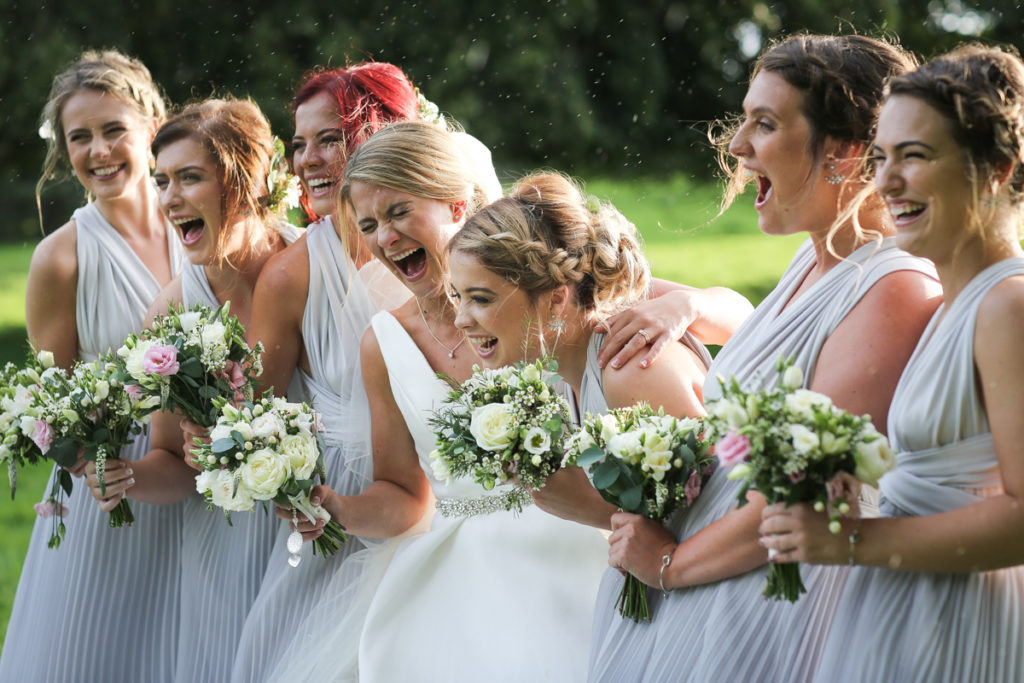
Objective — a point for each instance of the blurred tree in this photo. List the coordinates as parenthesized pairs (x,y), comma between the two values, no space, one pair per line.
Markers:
(581,85)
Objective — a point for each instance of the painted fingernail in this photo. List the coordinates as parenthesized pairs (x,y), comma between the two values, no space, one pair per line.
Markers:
(616,364)
(315,501)
(131,482)
(130,472)
(643,364)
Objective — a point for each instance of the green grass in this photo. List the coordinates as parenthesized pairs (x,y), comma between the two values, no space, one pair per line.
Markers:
(681,244)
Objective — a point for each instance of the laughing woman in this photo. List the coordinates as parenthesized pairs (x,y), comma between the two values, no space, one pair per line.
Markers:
(313,303)
(105,592)
(849,308)
(212,162)
(939,598)
(544,255)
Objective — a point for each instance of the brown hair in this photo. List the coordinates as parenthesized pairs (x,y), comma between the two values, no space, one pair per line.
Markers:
(237,136)
(842,82)
(106,71)
(545,234)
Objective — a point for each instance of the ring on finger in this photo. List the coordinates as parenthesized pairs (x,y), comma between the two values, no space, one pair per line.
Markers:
(643,333)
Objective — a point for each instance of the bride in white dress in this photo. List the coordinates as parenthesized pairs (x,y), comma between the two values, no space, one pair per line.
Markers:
(485,594)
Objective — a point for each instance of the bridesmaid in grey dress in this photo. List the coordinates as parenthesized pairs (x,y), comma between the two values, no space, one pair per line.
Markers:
(848,294)
(939,597)
(212,161)
(89,286)
(313,303)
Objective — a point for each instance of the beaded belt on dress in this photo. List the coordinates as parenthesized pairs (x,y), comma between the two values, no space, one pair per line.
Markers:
(516,499)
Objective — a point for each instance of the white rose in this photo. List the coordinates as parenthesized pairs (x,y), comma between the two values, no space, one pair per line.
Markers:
(212,335)
(102,390)
(609,427)
(221,493)
(730,411)
(263,474)
(27,425)
(804,439)
(221,431)
(439,466)
(267,425)
(492,426)
(301,452)
(802,401)
(189,320)
(45,358)
(244,429)
(537,441)
(133,359)
(874,458)
(625,446)
(531,373)
(206,480)
(793,377)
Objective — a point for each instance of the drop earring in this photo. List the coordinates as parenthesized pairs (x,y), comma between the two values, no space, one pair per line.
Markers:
(555,325)
(833,176)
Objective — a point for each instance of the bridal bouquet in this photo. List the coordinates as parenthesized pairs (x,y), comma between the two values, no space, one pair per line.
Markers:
(644,462)
(267,450)
(790,444)
(502,425)
(109,414)
(190,357)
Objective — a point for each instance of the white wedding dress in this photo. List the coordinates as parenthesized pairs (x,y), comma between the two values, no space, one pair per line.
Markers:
(482,597)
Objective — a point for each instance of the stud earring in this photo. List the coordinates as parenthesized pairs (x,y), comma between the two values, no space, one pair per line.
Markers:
(833,177)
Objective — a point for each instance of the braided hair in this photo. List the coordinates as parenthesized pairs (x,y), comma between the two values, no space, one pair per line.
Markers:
(546,234)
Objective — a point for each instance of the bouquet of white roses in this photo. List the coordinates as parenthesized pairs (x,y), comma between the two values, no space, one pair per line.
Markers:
(502,425)
(262,451)
(190,357)
(644,462)
(790,444)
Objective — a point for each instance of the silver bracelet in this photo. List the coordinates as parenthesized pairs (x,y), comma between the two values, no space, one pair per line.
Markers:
(853,538)
(666,560)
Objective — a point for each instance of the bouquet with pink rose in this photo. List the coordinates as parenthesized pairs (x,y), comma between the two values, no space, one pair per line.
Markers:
(644,462)
(793,446)
(188,358)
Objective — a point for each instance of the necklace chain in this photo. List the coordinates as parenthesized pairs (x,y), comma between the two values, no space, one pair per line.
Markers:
(449,349)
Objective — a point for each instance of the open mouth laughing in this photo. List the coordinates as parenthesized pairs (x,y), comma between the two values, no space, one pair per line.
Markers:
(191,229)
(412,263)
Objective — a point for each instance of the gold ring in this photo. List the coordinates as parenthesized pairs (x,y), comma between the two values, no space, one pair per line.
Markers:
(643,333)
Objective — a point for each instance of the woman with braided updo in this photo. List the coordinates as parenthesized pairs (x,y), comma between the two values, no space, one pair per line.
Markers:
(939,597)
(532,273)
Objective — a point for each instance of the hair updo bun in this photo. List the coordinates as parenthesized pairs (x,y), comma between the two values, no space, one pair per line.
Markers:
(546,234)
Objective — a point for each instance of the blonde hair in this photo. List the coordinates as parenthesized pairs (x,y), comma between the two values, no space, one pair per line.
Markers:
(416,157)
(546,234)
(237,137)
(106,71)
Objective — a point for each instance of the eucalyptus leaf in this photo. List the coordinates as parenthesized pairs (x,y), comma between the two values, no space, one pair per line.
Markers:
(606,474)
(223,445)
(632,499)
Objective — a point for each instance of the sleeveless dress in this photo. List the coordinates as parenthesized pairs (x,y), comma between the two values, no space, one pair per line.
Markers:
(222,565)
(727,630)
(338,309)
(917,626)
(103,606)
(495,597)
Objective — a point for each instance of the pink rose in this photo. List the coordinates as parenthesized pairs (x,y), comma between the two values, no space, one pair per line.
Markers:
(692,487)
(160,360)
(134,391)
(732,449)
(42,435)
(234,373)
(47,509)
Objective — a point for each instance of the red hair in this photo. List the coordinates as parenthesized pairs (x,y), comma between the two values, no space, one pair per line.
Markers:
(369,95)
